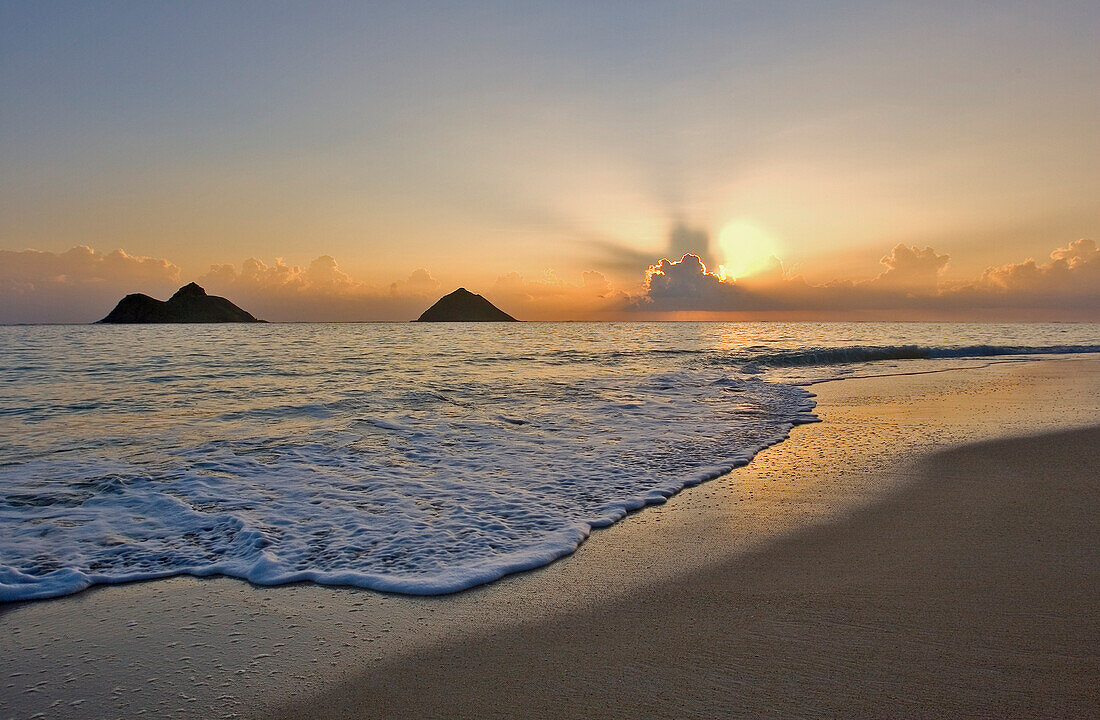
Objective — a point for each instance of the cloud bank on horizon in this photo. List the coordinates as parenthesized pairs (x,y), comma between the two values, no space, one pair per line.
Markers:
(1067,287)
(82,284)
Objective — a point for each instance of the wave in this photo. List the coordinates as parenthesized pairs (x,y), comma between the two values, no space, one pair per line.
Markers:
(381,490)
(764,356)
(806,357)
(388,460)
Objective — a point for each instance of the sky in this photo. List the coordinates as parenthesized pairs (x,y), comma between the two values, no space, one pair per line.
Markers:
(568,160)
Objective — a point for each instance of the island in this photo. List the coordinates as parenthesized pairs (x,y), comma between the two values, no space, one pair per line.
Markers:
(464,306)
(190,304)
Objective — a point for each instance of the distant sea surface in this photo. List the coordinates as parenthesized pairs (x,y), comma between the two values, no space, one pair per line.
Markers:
(417,458)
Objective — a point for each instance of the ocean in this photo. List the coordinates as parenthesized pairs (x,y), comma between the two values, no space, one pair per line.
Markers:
(413,458)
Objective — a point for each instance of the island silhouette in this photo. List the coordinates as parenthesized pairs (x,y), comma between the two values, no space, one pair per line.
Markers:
(464,306)
(190,304)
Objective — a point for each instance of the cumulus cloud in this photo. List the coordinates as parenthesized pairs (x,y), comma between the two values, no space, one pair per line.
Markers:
(81,264)
(912,269)
(322,276)
(910,286)
(321,291)
(419,283)
(74,285)
(686,284)
(256,275)
(1072,268)
(82,284)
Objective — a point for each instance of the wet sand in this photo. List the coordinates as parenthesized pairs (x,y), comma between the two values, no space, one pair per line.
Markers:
(971,592)
(681,609)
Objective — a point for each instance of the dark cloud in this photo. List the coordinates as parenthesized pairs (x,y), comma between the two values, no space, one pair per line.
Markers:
(686,284)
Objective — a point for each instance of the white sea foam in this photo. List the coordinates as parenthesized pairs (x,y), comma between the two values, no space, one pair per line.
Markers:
(408,459)
(414,501)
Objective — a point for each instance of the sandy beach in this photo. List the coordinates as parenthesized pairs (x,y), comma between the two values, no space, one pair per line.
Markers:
(969,593)
(928,549)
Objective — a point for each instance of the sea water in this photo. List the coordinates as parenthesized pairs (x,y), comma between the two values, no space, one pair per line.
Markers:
(416,458)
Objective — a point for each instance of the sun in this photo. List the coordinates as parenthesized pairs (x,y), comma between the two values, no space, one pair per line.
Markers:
(745,249)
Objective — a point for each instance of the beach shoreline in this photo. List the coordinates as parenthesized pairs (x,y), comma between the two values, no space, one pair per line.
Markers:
(186,647)
(968,593)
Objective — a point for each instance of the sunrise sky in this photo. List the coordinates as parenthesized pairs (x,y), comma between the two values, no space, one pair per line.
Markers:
(353,161)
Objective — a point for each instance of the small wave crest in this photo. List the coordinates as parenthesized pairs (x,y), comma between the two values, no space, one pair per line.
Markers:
(806,357)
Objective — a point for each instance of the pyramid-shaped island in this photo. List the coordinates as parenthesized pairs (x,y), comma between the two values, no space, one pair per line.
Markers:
(464,306)
(190,304)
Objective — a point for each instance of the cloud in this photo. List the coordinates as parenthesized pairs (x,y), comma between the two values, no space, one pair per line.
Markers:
(1072,268)
(74,285)
(910,287)
(686,284)
(912,269)
(323,276)
(419,283)
(82,285)
(320,292)
(256,275)
(80,265)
